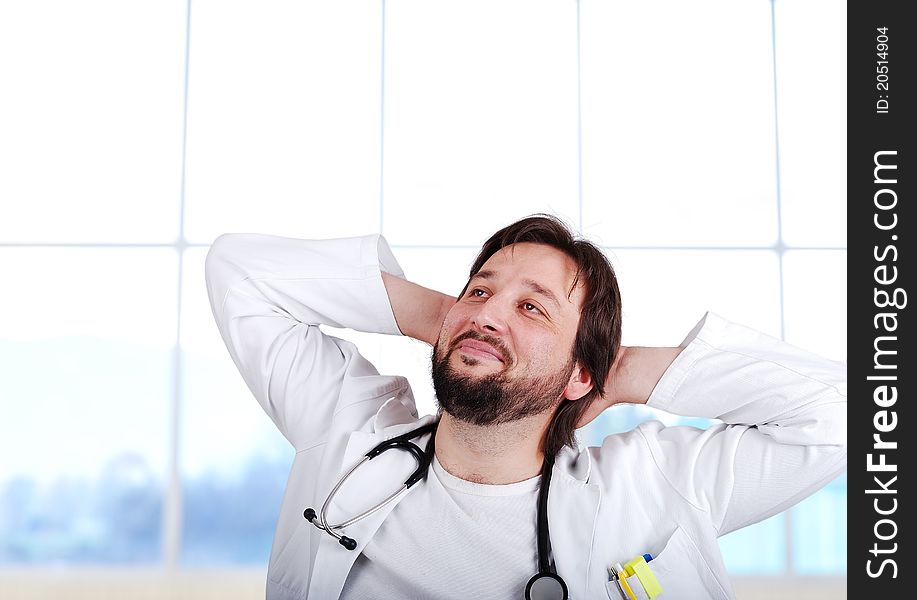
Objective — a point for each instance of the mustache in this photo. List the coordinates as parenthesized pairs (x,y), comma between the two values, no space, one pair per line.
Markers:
(487,339)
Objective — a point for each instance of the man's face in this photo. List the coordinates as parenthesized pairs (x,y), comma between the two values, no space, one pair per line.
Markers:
(506,347)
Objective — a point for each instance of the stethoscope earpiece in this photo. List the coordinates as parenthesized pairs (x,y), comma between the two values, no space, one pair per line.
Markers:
(349,543)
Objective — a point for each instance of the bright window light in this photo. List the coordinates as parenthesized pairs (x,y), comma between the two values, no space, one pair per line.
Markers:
(86,375)
(91,121)
(480,126)
(284,113)
(678,123)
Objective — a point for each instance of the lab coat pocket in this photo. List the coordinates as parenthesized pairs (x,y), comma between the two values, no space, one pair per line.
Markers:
(616,593)
(681,571)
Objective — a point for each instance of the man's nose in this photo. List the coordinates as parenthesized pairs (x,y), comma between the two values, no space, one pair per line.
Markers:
(492,316)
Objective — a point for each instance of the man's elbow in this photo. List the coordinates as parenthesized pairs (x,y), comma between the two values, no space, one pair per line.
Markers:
(220,269)
(835,427)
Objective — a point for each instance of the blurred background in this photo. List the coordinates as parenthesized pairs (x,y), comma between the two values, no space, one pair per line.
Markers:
(702,144)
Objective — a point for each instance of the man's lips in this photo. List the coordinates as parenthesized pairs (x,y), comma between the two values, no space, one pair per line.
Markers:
(480,348)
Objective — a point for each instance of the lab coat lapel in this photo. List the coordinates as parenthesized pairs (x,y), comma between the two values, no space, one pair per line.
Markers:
(332,561)
(572,510)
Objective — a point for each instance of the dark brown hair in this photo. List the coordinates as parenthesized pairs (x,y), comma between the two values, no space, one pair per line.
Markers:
(598,336)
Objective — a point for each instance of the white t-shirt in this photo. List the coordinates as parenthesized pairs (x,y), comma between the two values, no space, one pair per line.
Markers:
(451,538)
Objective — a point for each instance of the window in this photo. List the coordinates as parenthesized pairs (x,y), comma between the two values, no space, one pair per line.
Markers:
(682,146)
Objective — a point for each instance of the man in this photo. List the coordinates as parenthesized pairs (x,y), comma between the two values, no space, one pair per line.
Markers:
(529,351)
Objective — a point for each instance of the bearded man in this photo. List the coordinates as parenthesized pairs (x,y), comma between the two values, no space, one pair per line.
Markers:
(499,499)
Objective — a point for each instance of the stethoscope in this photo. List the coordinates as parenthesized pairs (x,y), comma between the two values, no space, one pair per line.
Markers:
(544,585)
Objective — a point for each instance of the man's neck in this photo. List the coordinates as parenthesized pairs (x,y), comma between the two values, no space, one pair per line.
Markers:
(493,454)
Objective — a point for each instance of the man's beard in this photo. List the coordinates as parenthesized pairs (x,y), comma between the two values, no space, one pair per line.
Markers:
(494,399)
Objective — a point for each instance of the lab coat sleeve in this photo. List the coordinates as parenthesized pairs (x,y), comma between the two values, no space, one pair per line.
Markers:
(784,423)
(269,294)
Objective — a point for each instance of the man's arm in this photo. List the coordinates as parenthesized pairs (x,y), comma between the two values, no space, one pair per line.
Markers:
(419,311)
(783,433)
(269,295)
(632,378)
(637,373)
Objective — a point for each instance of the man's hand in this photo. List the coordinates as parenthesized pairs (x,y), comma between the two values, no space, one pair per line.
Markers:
(631,379)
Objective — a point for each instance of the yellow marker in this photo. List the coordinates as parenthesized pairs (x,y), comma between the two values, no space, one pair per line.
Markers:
(622,578)
(638,567)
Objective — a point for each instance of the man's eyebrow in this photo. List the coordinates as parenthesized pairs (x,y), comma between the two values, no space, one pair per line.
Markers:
(531,284)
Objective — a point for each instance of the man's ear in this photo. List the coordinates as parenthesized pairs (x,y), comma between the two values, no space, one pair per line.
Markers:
(580,383)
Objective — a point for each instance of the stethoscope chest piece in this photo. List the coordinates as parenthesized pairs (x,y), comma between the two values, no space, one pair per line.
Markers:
(546,586)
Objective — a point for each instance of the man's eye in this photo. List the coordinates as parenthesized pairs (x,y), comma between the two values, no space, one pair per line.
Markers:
(528,306)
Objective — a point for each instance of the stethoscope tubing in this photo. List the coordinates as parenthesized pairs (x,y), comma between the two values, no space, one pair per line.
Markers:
(545,569)
(543,535)
(322,515)
(402,441)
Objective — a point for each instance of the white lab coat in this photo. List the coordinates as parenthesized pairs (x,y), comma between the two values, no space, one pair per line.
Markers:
(669,491)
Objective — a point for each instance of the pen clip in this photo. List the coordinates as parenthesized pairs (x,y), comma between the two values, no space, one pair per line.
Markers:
(622,583)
